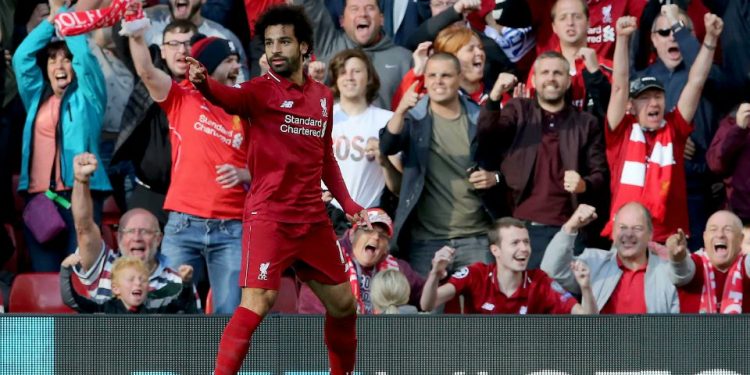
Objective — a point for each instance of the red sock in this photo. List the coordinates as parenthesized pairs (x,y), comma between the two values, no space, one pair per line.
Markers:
(235,341)
(341,340)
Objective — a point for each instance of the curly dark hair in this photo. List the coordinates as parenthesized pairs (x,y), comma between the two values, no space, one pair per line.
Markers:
(288,15)
(337,63)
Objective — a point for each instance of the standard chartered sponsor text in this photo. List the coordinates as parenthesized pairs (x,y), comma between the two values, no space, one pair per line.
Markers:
(290,121)
(214,129)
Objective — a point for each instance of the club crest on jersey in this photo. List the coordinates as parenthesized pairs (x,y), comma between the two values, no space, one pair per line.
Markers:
(607,14)
(264,271)
(460,274)
(324,106)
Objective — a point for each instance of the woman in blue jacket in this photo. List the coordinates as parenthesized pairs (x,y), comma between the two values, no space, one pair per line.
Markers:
(62,87)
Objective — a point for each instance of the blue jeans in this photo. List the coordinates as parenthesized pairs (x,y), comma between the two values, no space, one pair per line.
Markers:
(190,239)
(468,250)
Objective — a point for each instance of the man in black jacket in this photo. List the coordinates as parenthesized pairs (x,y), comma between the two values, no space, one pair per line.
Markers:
(553,156)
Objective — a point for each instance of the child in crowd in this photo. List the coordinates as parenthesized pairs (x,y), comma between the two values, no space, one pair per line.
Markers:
(129,288)
(390,293)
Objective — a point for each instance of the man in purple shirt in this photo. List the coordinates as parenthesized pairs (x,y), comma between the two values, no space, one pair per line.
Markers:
(366,252)
(729,156)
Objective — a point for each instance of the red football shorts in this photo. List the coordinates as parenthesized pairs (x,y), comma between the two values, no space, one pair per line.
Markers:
(270,247)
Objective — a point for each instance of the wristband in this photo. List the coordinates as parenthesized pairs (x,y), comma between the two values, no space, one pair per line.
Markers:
(709,47)
(85,182)
(497,177)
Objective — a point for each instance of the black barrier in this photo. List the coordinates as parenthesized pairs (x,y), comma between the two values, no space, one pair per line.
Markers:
(388,345)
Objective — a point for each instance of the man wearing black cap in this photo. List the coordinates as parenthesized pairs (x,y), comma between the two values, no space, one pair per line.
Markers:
(209,157)
(645,147)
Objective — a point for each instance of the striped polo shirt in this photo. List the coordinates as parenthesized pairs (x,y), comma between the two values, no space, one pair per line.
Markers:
(164,283)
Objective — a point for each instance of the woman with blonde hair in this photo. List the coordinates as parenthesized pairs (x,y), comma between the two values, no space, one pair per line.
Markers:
(389,293)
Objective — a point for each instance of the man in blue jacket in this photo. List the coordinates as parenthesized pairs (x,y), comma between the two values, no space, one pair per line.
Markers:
(441,201)
(65,101)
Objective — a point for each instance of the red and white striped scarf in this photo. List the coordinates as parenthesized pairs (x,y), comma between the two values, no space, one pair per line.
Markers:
(388,263)
(645,179)
(77,23)
(731,299)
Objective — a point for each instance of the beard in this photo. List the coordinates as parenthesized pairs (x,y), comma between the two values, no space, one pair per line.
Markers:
(290,66)
(550,98)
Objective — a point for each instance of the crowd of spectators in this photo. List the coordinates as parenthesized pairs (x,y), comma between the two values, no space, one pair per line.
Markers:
(518,156)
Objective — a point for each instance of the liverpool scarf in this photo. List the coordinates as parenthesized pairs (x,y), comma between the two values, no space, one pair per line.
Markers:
(645,178)
(76,23)
(731,299)
(351,268)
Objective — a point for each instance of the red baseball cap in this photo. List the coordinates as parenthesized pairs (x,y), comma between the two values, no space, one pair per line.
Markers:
(378,216)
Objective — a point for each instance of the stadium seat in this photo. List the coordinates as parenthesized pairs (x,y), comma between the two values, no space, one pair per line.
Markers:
(37,293)
(286,302)
(110,220)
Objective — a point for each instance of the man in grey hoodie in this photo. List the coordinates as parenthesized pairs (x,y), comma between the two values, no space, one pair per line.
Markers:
(362,22)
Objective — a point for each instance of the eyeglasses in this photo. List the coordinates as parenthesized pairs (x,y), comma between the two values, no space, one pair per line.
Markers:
(140,231)
(177,44)
(439,4)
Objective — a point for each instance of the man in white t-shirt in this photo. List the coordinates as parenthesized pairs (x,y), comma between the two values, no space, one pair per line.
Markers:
(356,123)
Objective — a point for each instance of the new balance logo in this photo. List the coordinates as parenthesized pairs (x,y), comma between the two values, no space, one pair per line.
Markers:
(287,104)
(264,271)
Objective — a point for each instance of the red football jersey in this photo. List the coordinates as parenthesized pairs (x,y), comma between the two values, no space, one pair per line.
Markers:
(203,136)
(538,293)
(603,15)
(290,147)
(617,147)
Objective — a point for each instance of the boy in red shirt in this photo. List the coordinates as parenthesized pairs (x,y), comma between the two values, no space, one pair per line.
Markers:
(285,221)
(506,287)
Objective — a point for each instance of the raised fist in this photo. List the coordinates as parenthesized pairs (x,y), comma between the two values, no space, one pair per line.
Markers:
(626,25)
(84,165)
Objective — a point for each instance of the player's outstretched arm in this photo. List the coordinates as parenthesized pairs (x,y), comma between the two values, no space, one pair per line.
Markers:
(234,100)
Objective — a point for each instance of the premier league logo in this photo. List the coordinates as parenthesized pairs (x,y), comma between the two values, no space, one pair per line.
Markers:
(324,106)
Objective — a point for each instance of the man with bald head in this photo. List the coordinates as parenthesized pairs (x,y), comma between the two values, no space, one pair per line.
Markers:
(628,280)
(721,261)
(139,236)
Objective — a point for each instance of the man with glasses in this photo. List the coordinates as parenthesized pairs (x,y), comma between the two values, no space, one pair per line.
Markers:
(676,50)
(628,280)
(191,11)
(139,236)
(646,134)
(144,136)
(209,157)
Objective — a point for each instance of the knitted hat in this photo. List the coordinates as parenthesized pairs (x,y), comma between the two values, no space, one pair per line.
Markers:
(211,51)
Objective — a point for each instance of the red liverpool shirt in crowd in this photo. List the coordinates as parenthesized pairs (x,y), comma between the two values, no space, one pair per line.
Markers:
(290,147)
(537,294)
(603,15)
(203,136)
(690,294)
(676,203)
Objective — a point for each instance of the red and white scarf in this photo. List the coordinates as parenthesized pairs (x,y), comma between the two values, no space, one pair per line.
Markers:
(645,179)
(77,23)
(731,299)
(388,263)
